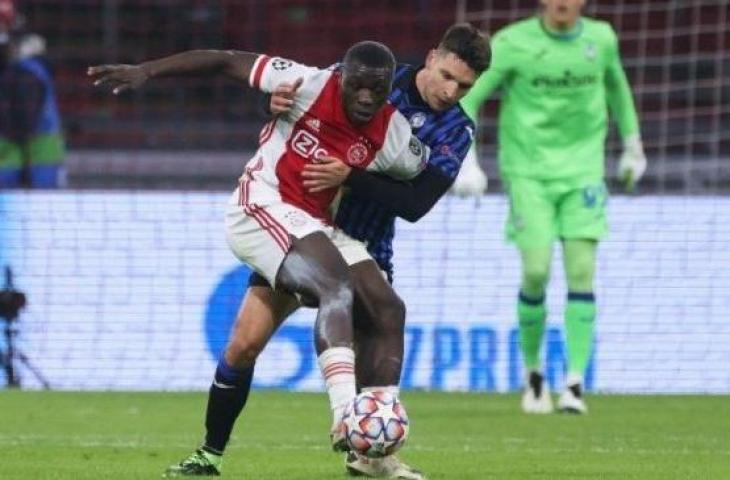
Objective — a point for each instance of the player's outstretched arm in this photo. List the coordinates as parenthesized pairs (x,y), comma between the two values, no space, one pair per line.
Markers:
(234,64)
(407,200)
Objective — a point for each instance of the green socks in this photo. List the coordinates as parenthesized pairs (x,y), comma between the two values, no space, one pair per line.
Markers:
(580,315)
(531,313)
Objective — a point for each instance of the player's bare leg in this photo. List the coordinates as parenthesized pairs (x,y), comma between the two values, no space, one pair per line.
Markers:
(380,329)
(261,313)
(381,317)
(314,269)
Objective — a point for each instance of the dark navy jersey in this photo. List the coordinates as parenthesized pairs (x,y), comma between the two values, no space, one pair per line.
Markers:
(448,134)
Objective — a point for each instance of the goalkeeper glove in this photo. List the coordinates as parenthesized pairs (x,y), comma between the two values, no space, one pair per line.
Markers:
(471,180)
(632,164)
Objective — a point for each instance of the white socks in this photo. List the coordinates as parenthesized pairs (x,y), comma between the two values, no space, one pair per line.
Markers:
(337,365)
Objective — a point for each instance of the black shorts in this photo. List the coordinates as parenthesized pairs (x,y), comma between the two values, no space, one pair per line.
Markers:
(257,280)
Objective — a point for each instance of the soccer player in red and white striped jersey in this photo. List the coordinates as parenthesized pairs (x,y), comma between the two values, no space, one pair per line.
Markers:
(273,223)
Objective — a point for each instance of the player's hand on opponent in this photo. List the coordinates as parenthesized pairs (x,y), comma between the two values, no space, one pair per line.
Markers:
(118,77)
(471,180)
(282,98)
(632,164)
(328,172)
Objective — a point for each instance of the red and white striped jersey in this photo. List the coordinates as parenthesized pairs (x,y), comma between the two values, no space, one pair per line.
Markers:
(317,126)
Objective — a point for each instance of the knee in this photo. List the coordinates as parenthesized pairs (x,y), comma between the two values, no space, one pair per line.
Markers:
(336,289)
(580,276)
(535,277)
(243,351)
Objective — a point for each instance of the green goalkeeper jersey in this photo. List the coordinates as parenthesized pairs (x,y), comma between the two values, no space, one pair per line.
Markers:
(555,92)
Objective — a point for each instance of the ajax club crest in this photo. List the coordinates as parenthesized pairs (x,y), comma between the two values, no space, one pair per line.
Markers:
(357,154)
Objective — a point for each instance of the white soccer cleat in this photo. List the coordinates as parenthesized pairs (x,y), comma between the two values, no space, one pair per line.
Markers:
(571,401)
(536,398)
(386,467)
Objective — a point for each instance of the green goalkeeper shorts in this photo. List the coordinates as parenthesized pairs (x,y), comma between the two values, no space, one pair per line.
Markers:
(542,211)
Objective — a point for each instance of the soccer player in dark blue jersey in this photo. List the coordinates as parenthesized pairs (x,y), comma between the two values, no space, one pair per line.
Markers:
(428,96)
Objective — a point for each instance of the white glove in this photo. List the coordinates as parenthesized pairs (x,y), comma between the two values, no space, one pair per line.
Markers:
(471,180)
(632,164)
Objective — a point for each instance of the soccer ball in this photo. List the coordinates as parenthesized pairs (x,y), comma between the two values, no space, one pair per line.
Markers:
(375,424)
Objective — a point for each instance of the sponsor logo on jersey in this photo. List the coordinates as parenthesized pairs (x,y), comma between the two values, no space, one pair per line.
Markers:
(281,64)
(307,145)
(357,154)
(567,80)
(417,120)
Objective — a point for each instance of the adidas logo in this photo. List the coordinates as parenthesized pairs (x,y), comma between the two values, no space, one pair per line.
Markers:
(313,123)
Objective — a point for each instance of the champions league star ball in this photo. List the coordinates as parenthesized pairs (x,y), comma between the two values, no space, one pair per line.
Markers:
(375,424)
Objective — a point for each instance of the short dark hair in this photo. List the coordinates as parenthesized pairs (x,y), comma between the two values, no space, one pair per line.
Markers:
(469,44)
(371,54)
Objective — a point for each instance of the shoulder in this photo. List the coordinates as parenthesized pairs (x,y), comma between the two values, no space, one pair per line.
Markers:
(403,68)
(30,64)
(516,36)
(601,30)
(526,26)
(398,129)
(398,134)
(460,114)
(453,126)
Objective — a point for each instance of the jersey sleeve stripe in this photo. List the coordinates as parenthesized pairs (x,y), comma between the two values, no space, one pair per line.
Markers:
(258,70)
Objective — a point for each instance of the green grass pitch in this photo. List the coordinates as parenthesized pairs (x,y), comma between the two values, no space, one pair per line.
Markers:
(283,435)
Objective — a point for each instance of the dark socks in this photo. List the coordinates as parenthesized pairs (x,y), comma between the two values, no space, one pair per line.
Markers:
(226,399)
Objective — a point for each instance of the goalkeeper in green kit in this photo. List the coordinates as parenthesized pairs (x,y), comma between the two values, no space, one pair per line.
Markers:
(560,75)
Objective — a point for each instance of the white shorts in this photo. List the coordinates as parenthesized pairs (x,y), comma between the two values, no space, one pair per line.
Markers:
(260,233)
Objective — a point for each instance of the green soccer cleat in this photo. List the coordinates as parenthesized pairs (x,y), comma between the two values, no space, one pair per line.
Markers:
(199,464)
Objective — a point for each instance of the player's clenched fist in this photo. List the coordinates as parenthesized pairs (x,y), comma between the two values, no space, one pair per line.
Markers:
(282,98)
(118,77)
